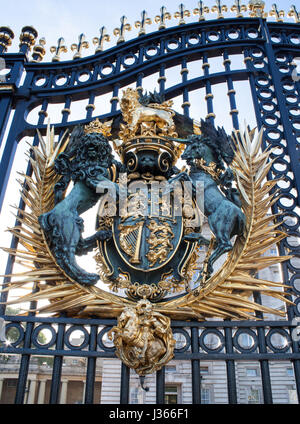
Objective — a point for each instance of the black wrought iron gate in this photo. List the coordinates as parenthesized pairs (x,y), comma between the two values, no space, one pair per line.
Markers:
(267,50)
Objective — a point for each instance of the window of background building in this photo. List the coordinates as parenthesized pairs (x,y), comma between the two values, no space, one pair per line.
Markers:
(171,395)
(204,370)
(254,395)
(170,368)
(134,395)
(251,372)
(205,395)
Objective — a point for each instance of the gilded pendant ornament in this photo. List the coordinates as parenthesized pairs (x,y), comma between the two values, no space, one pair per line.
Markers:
(142,244)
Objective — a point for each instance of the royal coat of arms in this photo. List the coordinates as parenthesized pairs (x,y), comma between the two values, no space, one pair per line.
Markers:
(149,224)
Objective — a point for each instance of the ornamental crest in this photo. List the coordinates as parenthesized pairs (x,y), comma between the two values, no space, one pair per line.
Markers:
(149,223)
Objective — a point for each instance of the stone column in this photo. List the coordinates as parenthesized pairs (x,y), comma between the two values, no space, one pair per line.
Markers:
(31,394)
(63,393)
(42,388)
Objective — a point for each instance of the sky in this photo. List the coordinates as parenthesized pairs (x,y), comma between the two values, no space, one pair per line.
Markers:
(68,19)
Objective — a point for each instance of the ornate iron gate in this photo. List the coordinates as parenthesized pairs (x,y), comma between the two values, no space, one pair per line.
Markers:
(268,50)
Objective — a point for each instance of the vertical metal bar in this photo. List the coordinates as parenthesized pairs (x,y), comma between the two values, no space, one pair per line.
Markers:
(24,366)
(57,366)
(162,79)
(230,368)
(139,81)
(297,377)
(124,387)
(160,386)
(91,368)
(114,100)
(231,92)
(196,377)
(209,95)
(184,73)
(264,364)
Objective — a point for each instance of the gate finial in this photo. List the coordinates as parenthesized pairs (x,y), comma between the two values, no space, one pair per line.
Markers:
(257,8)
(61,48)
(27,38)
(181,14)
(6,37)
(82,44)
(279,14)
(239,8)
(200,10)
(219,9)
(99,42)
(39,51)
(143,22)
(161,19)
(120,31)
(294,13)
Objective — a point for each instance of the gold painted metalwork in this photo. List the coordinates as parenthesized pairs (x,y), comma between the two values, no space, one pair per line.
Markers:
(121,31)
(99,41)
(181,14)
(39,50)
(201,10)
(143,338)
(219,9)
(225,294)
(239,8)
(6,37)
(278,14)
(130,240)
(159,240)
(161,19)
(82,44)
(142,23)
(28,36)
(61,48)
(294,13)
(96,126)
(256,8)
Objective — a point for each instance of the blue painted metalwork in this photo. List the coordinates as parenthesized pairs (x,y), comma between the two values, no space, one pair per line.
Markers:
(269,49)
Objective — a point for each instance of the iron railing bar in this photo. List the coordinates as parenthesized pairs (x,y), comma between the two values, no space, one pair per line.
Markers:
(160,386)
(195,363)
(230,369)
(124,386)
(91,368)
(57,367)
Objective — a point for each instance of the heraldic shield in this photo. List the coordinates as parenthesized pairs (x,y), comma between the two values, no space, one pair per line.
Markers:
(148,245)
(149,225)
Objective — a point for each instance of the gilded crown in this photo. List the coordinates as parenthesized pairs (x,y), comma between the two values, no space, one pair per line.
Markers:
(96,126)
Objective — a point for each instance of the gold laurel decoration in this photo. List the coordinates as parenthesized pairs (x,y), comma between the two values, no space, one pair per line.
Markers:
(51,282)
(225,294)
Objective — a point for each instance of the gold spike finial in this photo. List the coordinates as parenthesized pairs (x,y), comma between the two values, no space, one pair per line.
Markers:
(181,14)
(120,31)
(161,19)
(143,22)
(61,48)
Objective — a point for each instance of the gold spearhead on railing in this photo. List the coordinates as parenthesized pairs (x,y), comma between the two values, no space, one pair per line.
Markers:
(181,14)
(143,22)
(219,8)
(279,14)
(120,31)
(61,48)
(200,10)
(161,19)
(99,41)
(239,8)
(257,8)
(294,14)
(82,44)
